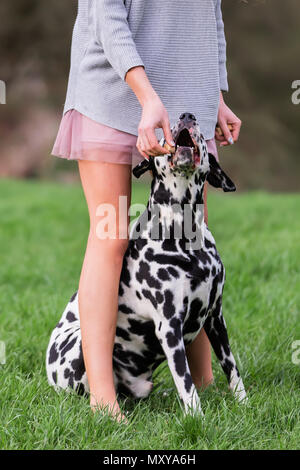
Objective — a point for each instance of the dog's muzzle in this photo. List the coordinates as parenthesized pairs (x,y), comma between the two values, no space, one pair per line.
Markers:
(187,154)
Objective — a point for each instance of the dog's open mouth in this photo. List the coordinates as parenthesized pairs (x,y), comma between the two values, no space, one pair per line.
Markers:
(185,142)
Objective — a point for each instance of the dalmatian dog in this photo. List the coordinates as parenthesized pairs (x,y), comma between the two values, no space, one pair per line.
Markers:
(170,287)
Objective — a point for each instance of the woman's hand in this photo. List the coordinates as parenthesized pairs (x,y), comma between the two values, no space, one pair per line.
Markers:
(227,117)
(154,116)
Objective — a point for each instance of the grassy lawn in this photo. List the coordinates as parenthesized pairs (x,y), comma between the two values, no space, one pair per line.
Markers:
(43,234)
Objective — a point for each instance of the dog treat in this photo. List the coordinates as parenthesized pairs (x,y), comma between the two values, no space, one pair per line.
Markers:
(219,130)
(169,148)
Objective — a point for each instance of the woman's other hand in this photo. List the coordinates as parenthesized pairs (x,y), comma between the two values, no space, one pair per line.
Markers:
(227,118)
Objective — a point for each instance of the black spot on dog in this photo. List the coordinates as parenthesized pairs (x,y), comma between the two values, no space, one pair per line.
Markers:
(140,243)
(180,362)
(208,244)
(149,254)
(213,291)
(125,274)
(123,391)
(147,330)
(147,294)
(53,354)
(78,366)
(121,333)
(196,312)
(176,324)
(73,297)
(188,382)
(80,389)
(169,307)
(68,347)
(144,274)
(161,195)
(204,257)
(70,316)
(124,309)
(159,297)
(173,272)
(133,251)
(227,367)
(54,377)
(169,244)
(65,342)
(121,290)
(163,274)
(171,339)
(138,295)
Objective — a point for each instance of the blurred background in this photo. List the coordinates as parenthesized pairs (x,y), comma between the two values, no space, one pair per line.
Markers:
(263,60)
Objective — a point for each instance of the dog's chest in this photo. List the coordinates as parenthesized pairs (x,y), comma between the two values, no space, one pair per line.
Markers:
(160,276)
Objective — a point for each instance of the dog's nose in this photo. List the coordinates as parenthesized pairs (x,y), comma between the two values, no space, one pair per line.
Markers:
(187,118)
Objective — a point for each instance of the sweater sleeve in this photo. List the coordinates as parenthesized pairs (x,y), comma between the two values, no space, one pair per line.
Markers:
(222,47)
(113,31)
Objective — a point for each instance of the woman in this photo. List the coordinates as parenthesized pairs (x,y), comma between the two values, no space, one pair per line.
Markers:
(135,67)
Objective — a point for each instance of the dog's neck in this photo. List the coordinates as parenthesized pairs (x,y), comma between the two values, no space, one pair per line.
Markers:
(177,200)
(177,189)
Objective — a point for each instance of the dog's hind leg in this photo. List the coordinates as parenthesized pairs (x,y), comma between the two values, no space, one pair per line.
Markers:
(64,359)
(215,328)
(169,334)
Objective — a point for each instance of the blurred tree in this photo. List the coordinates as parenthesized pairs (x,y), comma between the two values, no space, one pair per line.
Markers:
(263,52)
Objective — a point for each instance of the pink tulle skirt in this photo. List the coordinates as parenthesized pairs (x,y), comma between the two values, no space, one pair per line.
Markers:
(81,138)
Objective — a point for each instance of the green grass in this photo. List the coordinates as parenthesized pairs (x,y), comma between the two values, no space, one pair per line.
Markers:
(43,234)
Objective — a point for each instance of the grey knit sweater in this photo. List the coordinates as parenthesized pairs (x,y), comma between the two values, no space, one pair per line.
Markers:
(180,43)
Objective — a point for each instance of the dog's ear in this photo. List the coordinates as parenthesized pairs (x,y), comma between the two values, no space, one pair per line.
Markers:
(217,177)
(144,166)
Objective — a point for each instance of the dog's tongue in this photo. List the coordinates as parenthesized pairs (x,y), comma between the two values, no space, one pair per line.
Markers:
(184,152)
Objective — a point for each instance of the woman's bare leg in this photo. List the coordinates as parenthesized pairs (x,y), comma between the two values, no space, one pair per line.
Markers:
(99,280)
(199,359)
(199,352)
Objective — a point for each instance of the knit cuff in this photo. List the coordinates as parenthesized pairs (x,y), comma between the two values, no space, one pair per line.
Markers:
(128,63)
(223,77)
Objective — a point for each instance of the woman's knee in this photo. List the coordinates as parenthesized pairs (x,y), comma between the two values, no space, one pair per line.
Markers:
(114,248)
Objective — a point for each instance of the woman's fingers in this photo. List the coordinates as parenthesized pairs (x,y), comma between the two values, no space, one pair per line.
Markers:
(154,116)
(147,143)
(168,133)
(228,133)
(154,146)
(227,136)
(228,123)
(236,127)
(139,146)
